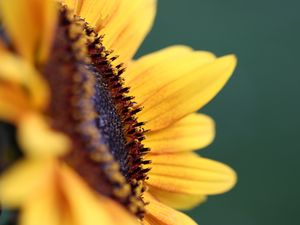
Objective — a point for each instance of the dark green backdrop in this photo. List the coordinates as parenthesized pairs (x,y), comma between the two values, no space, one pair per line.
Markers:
(257,113)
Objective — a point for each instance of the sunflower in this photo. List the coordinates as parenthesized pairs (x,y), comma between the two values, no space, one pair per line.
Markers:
(105,139)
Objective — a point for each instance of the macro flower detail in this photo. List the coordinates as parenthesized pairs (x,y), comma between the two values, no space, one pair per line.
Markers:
(105,139)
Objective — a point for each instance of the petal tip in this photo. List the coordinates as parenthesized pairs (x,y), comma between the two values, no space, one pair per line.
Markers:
(232,60)
(231,179)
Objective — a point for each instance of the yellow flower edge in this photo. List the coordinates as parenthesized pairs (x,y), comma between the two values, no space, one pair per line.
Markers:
(178,179)
(50,192)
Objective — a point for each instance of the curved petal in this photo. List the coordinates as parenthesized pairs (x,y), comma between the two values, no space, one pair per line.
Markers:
(186,94)
(87,207)
(188,173)
(125,23)
(23,180)
(152,72)
(160,214)
(39,140)
(14,105)
(176,88)
(42,208)
(30,24)
(97,12)
(17,71)
(138,70)
(190,133)
(181,201)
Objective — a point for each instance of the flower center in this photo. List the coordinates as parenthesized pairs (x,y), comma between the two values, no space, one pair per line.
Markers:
(90,104)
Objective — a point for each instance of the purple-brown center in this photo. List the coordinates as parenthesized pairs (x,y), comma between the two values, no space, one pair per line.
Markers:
(90,104)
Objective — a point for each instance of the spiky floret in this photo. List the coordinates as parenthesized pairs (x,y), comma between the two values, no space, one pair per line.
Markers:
(126,108)
(90,104)
(130,153)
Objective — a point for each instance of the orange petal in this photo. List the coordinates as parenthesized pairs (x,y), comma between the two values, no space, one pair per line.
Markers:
(125,23)
(30,25)
(97,12)
(13,103)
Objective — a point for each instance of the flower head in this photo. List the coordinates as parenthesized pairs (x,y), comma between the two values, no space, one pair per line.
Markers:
(104,135)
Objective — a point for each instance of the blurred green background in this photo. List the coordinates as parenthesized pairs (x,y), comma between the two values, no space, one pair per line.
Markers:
(257,113)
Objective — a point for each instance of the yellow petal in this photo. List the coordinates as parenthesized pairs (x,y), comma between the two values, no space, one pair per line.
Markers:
(98,12)
(160,214)
(13,103)
(190,133)
(123,215)
(42,208)
(87,208)
(30,25)
(152,72)
(39,140)
(140,71)
(180,201)
(23,180)
(47,28)
(9,112)
(182,94)
(190,174)
(15,70)
(125,23)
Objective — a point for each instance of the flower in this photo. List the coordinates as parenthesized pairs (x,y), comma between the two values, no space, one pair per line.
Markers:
(103,144)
